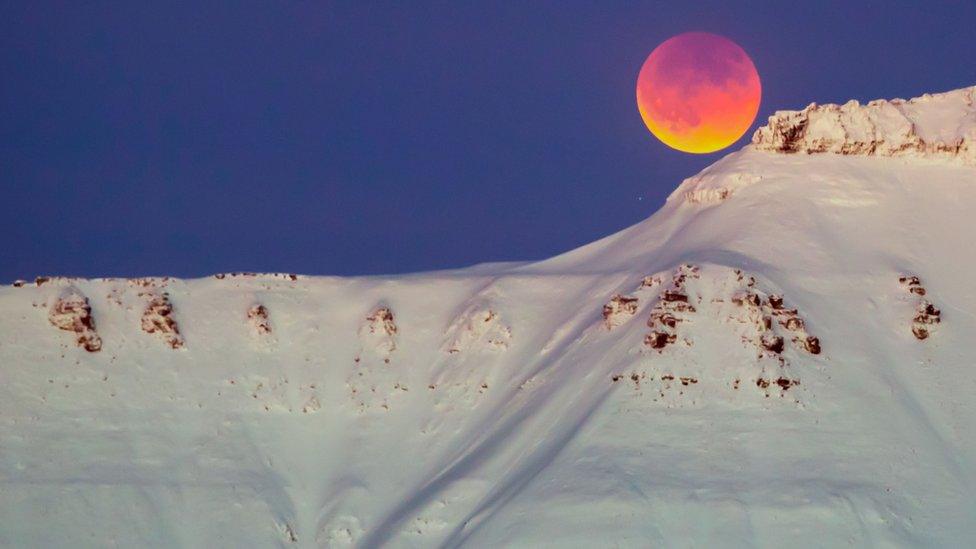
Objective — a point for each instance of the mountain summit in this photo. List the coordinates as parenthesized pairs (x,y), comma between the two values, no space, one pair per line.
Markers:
(783,352)
(941,126)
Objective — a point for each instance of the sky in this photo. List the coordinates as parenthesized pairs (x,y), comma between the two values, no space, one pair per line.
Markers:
(345,138)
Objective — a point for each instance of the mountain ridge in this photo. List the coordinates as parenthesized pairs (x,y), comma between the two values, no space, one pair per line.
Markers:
(781,353)
(940,126)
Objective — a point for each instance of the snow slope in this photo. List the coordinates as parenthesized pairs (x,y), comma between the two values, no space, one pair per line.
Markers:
(764,378)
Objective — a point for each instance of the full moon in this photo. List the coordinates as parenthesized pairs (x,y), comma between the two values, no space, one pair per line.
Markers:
(698,92)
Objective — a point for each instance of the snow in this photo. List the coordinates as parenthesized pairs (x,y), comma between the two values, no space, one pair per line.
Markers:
(939,126)
(504,405)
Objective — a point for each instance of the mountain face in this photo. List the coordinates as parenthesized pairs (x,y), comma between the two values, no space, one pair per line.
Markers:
(782,354)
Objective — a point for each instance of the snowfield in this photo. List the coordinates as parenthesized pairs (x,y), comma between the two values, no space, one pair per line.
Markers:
(782,355)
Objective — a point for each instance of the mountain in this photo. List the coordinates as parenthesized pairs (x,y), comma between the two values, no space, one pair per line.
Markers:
(784,353)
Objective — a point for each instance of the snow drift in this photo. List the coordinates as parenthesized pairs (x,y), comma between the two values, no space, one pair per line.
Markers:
(783,353)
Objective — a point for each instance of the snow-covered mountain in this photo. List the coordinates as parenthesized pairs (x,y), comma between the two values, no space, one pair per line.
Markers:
(783,354)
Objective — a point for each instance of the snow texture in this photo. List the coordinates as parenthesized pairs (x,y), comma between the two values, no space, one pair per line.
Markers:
(789,362)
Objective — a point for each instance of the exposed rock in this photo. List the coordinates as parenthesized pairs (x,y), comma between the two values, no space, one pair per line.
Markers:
(650,282)
(671,308)
(157,318)
(811,344)
(783,383)
(372,385)
(753,312)
(378,333)
(42,280)
(770,323)
(659,340)
(257,315)
(619,310)
(676,301)
(744,299)
(700,301)
(71,312)
(672,295)
(749,281)
(149,282)
(789,318)
(381,321)
(913,284)
(684,272)
(713,186)
(287,276)
(926,315)
(792,323)
(705,196)
(773,343)
(880,128)
(663,317)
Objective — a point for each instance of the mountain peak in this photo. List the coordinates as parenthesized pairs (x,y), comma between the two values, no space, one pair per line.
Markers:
(796,359)
(938,126)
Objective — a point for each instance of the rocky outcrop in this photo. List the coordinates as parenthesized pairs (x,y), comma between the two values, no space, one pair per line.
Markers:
(650,281)
(72,312)
(257,317)
(774,322)
(706,196)
(381,322)
(791,320)
(378,333)
(912,284)
(913,128)
(373,385)
(282,276)
(618,310)
(157,318)
(713,186)
(718,304)
(670,309)
(926,316)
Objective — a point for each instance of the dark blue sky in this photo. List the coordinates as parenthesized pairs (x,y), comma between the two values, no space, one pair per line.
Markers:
(375,137)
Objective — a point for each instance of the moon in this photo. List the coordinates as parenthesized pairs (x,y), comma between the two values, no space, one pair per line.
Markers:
(698,92)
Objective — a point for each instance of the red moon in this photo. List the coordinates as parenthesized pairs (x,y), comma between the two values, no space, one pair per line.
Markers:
(698,92)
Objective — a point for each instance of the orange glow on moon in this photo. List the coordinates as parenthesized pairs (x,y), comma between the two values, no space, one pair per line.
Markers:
(698,92)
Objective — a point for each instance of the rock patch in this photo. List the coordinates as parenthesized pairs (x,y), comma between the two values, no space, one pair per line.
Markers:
(72,312)
(379,332)
(671,308)
(731,302)
(880,128)
(618,310)
(926,316)
(157,318)
(257,316)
